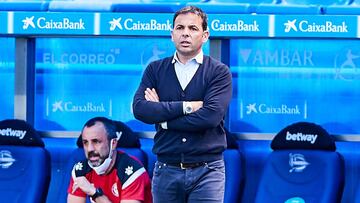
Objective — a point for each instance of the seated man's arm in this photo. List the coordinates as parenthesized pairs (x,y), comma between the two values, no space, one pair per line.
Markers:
(130,201)
(75,199)
(81,183)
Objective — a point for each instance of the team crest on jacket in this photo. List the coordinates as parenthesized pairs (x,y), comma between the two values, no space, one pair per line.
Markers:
(114,190)
(129,170)
(78,166)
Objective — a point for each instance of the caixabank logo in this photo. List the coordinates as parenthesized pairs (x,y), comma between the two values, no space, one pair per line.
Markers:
(235,25)
(71,106)
(45,23)
(135,24)
(250,109)
(306,26)
(315,26)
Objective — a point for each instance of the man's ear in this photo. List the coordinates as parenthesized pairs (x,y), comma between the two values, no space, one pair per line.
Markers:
(206,35)
(172,34)
(114,143)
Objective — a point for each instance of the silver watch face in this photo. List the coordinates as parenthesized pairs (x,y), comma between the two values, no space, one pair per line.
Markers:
(188,109)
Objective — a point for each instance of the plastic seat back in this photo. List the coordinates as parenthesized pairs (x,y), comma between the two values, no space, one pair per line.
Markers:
(24,163)
(304,166)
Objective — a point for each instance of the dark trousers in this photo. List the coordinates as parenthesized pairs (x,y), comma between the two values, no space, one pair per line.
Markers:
(205,183)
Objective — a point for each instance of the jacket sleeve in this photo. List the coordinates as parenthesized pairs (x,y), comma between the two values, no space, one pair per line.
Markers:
(153,112)
(216,102)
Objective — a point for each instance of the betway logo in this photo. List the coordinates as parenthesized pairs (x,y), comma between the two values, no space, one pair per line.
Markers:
(266,109)
(299,137)
(43,23)
(13,133)
(71,107)
(305,26)
(130,24)
(241,26)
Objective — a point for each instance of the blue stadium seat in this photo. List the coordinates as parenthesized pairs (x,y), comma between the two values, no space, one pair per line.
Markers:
(234,177)
(351,153)
(300,7)
(24,163)
(81,6)
(304,167)
(24,5)
(148,7)
(357,194)
(349,8)
(232,6)
(222,7)
(61,153)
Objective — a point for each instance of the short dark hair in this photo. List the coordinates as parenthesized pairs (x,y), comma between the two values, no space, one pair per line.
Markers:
(108,124)
(195,10)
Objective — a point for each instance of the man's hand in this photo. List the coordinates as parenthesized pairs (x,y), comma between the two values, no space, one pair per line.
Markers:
(82,183)
(151,95)
(196,105)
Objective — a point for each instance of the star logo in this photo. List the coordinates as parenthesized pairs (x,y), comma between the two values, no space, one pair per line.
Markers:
(28,21)
(290,25)
(57,106)
(115,23)
(251,108)
(79,166)
(129,170)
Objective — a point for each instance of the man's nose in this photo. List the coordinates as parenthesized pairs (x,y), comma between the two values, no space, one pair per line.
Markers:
(186,32)
(90,147)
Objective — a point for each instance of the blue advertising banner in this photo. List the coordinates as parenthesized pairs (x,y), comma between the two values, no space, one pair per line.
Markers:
(316,26)
(238,25)
(79,78)
(53,23)
(281,81)
(160,24)
(4,22)
(135,24)
(7,77)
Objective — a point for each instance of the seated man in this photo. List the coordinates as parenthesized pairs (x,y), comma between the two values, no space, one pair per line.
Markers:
(107,175)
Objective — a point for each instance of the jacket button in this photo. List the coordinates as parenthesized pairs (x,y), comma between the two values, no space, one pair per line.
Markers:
(183,94)
(184,139)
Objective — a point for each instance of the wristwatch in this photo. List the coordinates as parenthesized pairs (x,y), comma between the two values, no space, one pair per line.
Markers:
(188,108)
(98,193)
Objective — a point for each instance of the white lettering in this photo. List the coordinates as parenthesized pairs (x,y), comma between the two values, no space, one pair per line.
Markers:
(80,58)
(283,109)
(305,26)
(88,107)
(282,57)
(240,26)
(129,24)
(13,133)
(301,137)
(65,24)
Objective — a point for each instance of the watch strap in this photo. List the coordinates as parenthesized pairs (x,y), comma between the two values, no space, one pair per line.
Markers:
(98,193)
